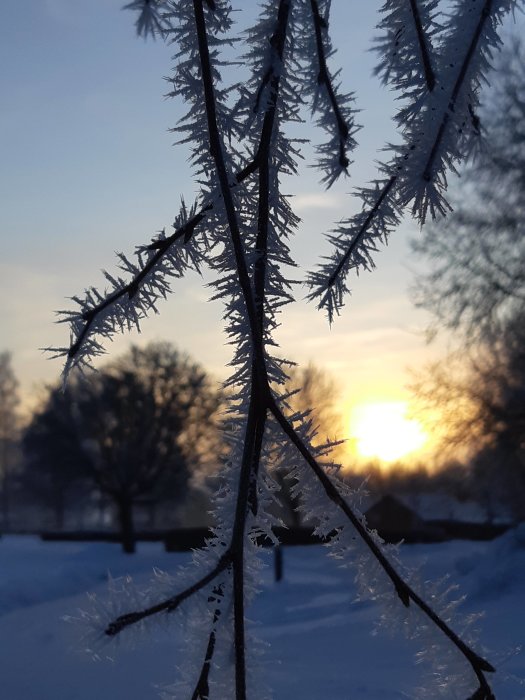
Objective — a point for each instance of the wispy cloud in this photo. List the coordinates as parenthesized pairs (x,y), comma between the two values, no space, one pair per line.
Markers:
(317,200)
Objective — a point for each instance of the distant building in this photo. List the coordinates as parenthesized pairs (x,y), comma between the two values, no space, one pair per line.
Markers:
(394,520)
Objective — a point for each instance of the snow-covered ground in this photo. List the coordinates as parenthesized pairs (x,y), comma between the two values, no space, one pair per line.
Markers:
(320,639)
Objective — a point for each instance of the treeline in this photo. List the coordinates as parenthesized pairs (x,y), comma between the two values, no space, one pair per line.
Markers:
(137,446)
(452,489)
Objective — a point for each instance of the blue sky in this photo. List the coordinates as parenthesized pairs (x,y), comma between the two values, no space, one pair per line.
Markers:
(88,168)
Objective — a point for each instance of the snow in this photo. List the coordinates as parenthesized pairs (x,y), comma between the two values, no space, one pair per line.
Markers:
(320,640)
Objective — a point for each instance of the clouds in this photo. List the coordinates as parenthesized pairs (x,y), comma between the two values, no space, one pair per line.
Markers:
(306,201)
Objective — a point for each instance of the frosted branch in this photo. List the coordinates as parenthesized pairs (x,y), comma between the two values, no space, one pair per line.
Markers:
(335,114)
(436,137)
(170,604)
(404,591)
(406,52)
(150,21)
(240,226)
(324,78)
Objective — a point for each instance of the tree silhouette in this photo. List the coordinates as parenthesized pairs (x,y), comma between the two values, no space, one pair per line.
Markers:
(313,395)
(239,227)
(55,462)
(477,253)
(476,288)
(128,430)
(8,431)
(477,401)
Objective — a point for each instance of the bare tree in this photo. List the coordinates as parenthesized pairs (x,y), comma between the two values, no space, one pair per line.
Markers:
(476,399)
(8,432)
(476,254)
(55,463)
(133,431)
(239,226)
(476,289)
(313,395)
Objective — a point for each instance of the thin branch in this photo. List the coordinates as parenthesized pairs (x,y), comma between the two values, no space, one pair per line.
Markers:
(249,469)
(172,603)
(163,246)
(216,149)
(430,78)
(426,174)
(334,495)
(202,689)
(469,55)
(325,79)
(257,408)
(264,153)
(131,289)
(403,590)
(358,237)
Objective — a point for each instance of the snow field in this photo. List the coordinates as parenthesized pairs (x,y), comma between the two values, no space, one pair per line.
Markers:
(320,641)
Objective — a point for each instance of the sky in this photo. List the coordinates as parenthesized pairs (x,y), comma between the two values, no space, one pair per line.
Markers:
(89,168)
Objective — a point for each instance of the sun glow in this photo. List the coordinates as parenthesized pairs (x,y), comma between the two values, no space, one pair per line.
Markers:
(383,431)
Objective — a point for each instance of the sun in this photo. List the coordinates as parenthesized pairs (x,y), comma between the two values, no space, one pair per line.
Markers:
(382,430)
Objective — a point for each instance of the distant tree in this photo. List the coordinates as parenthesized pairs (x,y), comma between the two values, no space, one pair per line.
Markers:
(317,396)
(8,432)
(309,387)
(55,463)
(476,289)
(476,254)
(477,399)
(129,429)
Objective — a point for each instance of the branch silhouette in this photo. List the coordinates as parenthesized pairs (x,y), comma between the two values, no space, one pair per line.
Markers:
(243,221)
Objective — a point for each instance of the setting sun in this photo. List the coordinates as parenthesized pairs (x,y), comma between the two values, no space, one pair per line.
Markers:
(382,430)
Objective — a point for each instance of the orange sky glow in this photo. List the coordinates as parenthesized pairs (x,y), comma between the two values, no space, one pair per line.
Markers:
(385,431)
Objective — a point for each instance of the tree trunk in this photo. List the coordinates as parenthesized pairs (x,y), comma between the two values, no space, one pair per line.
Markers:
(278,562)
(4,471)
(6,525)
(59,510)
(152,515)
(127,530)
